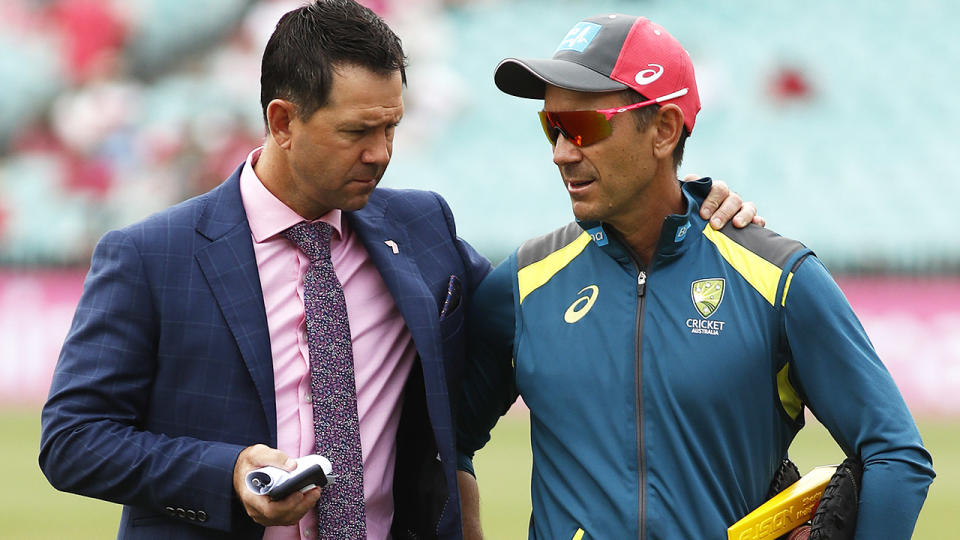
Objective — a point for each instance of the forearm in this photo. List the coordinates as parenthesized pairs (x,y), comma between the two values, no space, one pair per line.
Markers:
(470,506)
(121,464)
(868,418)
(487,388)
(891,497)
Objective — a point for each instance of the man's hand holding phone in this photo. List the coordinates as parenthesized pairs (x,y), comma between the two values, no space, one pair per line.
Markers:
(311,471)
(286,511)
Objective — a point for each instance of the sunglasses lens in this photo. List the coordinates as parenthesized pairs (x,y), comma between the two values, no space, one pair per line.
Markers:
(584,127)
(581,128)
(551,131)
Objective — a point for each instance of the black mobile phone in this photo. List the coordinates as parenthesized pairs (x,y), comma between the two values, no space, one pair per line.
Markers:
(276,483)
(299,479)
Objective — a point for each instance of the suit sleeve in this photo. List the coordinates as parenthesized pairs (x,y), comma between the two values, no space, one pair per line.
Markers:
(92,441)
(853,395)
(477,265)
(488,388)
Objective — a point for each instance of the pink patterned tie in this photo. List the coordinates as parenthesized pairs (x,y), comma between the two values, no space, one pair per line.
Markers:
(340,509)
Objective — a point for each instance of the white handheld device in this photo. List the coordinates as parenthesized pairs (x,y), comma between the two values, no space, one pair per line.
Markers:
(276,483)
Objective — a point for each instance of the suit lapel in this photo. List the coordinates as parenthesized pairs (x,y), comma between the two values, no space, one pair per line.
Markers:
(230,267)
(400,273)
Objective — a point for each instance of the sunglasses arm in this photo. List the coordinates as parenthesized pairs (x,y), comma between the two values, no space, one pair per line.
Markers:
(608,113)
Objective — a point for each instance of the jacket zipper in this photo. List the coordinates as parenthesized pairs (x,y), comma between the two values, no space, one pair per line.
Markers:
(638,393)
(638,382)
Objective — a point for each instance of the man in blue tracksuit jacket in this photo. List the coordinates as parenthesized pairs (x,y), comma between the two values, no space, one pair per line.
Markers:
(666,364)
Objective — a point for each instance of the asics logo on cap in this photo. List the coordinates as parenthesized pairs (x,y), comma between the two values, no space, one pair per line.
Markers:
(647,76)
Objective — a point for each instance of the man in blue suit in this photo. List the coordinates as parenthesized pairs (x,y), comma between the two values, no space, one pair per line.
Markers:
(186,365)
(167,389)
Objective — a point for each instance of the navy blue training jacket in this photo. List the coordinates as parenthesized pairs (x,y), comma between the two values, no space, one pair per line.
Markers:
(663,398)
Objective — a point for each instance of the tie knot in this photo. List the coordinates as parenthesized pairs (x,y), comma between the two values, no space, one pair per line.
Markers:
(313,239)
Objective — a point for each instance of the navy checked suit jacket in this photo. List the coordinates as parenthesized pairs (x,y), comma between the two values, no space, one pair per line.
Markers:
(166,373)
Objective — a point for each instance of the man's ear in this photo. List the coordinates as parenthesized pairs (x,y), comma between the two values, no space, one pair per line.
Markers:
(280,115)
(669,126)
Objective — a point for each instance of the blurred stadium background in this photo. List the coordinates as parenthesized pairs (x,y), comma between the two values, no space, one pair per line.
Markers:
(838,119)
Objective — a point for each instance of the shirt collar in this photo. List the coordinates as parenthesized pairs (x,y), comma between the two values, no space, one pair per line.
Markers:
(267,215)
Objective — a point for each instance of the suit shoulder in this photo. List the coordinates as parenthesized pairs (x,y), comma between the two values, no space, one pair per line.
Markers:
(764,243)
(406,204)
(411,196)
(181,217)
(537,249)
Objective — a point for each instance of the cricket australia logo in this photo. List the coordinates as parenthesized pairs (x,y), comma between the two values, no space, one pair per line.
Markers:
(707,294)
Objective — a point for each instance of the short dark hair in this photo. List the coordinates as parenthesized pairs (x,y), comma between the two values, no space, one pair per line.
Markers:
(311,41)
(644,115)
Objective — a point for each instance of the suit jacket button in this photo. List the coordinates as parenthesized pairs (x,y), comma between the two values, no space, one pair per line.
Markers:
(201,516)
(181,513)
(171,510)
(191,515)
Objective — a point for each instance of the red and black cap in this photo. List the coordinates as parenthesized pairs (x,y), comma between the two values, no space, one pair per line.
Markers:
(607,53)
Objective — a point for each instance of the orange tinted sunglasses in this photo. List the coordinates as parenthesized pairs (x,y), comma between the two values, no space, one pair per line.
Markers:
(583,128)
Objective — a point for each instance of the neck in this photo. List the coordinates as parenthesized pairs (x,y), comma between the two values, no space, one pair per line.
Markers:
(641,229)
(271,169)
(275,173)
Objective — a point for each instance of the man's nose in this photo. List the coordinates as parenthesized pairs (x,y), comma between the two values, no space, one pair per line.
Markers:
(565,151)
(378,149)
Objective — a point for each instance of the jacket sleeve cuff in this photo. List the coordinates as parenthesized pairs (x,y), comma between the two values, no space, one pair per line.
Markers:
(212,491)
(465,463)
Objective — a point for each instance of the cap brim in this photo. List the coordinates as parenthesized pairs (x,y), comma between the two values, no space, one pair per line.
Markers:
(528,78)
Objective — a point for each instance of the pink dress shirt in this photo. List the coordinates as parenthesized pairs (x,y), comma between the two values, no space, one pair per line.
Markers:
(383,349)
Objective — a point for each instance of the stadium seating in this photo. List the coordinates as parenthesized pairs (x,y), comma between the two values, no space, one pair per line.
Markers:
(837,119)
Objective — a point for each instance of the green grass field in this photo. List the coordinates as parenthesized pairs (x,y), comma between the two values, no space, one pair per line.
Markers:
(31,509)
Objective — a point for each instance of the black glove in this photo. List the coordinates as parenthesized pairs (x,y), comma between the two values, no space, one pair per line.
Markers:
(787,474)
(836,516)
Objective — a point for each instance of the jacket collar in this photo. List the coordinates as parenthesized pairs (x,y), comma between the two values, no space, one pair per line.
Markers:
(381,233)
(675,233)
